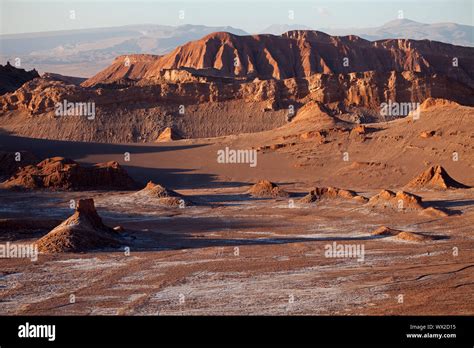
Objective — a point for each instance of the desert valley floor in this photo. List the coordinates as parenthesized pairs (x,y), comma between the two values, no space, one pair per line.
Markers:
(280,267)
(231,253)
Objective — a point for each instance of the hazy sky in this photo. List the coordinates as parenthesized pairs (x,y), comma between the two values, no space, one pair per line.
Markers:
(20,16)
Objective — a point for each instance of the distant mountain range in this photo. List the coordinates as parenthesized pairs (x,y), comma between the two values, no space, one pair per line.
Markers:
(278,29)
(85,52)
(456,34)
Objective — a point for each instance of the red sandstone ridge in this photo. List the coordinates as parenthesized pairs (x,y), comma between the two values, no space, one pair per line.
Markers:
(12,78)
(82,231)
(59,173)
(435,177)
(295,54)
(124,68)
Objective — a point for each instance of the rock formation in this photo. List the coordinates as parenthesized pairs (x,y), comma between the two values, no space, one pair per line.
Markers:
(12,78)
(435,177)
(60,173)
(427,134)
(82,231)
(319,193)
(384,231)
(404,201)
(266,189)
(163,195)
(167,135)
(10,162)
(401,200)
(430,103)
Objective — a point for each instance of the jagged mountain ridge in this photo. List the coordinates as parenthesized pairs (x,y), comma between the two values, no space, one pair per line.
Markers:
(295,54)
(12,78)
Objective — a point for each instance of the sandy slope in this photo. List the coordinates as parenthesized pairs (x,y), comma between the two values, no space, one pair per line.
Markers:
(388,155)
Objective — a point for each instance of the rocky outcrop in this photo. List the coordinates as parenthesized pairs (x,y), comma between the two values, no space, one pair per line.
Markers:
(82,231)
(168,134)
(162,195)
(337,92)
(146,108)
(10,162)
(12,78)
(435,177)
(404,201)
(60,173)
(401,200)
(319,193)
(266,189)
(384,231)
(431,103)
(427,134)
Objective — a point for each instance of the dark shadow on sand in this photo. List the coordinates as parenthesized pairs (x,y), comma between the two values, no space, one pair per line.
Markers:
(175,178)
(451,203)
(76,150)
